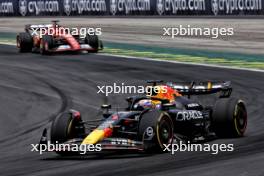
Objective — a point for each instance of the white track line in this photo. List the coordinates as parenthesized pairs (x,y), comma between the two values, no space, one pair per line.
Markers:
(11,44)
(174,62)
(186,63)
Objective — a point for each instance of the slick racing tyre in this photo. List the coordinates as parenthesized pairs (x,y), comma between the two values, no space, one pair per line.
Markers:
(155,130)
(229,117)
(46,44)
(93,41)
(65,127)
(24,42)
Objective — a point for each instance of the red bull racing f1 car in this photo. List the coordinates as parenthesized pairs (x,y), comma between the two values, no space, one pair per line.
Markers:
(52,38)
(148,123)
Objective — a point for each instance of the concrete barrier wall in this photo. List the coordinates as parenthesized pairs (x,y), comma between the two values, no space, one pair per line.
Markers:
(130,7)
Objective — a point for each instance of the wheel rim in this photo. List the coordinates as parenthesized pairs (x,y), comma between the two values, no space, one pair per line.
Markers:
(46,46)
(240,118)
(71,130)
(41,47)
(165,131)
(18,42)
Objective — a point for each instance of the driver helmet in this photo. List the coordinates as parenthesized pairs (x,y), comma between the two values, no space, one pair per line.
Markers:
(147,104)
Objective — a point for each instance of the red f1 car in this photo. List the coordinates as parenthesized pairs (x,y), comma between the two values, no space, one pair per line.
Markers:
(34,40)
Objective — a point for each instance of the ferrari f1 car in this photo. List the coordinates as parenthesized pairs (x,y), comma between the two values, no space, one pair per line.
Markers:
(37,38)
(148,123)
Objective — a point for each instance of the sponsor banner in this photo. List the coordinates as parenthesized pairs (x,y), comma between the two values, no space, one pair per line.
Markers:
(7,7)
(54,7)
(85,7)
(130,7)
(38,7)
(182,7)
(235,7)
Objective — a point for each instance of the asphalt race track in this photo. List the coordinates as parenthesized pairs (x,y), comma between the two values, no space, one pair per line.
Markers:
(35,88)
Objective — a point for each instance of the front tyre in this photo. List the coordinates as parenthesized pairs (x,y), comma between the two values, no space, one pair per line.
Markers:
(93,41)
(46,44)
(229,117)
(24,42)
(155,130)
(65,127)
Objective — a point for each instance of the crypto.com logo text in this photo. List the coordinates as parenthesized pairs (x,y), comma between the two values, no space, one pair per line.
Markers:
(6,7)
(173,6)
(37,7)
(81,6)
(129,6)
(229,6)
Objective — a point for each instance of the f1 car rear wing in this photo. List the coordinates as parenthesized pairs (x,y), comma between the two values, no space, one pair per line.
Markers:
(37,26)
(200,88)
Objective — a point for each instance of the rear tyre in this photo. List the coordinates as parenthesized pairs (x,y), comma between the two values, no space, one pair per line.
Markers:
(93,41)
(229,118)
(64,128)
(46,44)
(155,130)
(24,42)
